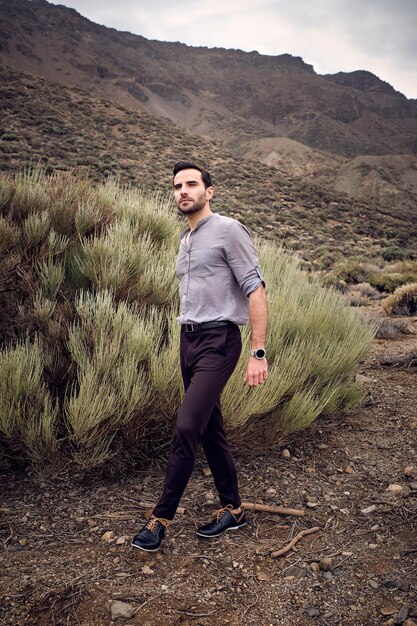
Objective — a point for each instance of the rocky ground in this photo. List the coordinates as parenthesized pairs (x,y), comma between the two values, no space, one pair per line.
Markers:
(66,556)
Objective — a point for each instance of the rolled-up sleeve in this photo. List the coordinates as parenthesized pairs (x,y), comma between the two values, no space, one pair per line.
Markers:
(242,258)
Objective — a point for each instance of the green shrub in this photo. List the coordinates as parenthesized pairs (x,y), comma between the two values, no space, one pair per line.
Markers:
(314,343)
(393,254)
(9,137)
(89,360)
(351,271)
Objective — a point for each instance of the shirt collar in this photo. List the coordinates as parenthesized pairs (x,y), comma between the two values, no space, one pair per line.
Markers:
(199,224)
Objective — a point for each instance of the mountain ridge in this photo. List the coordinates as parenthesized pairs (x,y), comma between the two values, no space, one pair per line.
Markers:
(227,94)
(243,99)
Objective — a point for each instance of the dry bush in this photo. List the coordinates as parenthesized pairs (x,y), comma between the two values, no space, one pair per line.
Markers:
(89,358)
(405,360)
(367,291)
(403,301)
(386,328)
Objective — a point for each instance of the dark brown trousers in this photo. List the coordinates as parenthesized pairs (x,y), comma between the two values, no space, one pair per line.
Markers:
(208,359)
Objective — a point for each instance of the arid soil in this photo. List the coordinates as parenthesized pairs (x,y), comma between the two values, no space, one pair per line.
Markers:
(66,555)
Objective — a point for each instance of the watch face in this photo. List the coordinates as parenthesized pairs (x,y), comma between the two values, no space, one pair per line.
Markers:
(260,353)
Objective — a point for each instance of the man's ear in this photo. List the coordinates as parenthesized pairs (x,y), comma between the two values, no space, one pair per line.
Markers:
(209,193)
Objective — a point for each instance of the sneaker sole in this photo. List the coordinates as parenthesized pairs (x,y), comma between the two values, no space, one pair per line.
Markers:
(220,534)
(144,549)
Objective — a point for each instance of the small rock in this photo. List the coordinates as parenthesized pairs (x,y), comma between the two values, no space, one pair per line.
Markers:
(207,471)
(312,505)
(108,535)
(413,486)
(360,378)
(349,470)
(286,454)
(263,576)
(120,541)
(401,615)
(315,567)
(388,610)
(409,622)
(369,509)
(209,496)
(394,488)
(373,546)
(373,584)
(326,564)
(390,584)
(121,610)
(297,572)
(311,611)
(410,471)
(146,570)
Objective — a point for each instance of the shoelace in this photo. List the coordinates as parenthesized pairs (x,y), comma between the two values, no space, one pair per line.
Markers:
(151,525)
(219,512)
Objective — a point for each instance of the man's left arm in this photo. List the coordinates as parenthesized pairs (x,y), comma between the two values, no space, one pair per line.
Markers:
(257,369)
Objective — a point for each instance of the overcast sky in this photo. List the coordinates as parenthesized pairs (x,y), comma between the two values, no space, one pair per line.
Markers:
(332,35)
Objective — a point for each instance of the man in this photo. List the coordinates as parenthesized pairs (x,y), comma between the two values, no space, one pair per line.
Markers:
(221,287)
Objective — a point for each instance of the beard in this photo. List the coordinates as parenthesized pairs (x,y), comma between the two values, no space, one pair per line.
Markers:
(196,206)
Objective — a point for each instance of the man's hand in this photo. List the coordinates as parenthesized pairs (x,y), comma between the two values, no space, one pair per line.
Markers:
(256,371)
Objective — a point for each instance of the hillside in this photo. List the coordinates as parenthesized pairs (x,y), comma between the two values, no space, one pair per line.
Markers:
(62,128)
(242,99)
(227,94)
(386,179)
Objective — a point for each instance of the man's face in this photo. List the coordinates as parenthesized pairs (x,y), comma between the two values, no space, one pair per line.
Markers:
(189,192)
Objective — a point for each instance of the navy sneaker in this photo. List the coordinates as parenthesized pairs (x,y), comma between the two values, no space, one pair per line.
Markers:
(224,520)
(149,538)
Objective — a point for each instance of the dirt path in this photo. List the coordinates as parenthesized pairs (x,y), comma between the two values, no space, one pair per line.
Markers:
(56,567)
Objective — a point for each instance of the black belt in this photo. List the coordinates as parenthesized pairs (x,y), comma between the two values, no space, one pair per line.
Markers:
(192,327)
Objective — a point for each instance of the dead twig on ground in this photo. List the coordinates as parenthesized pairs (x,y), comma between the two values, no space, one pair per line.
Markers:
(248,607)
(300,535)
(268,508)
(191,614)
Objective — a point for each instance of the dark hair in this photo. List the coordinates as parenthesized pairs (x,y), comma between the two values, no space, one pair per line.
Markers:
(186,165)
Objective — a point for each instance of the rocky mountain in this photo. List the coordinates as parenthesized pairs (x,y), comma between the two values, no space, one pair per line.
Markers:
(62,129)
(243,99)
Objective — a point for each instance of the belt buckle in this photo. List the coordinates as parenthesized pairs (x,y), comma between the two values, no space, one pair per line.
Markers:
(190,327)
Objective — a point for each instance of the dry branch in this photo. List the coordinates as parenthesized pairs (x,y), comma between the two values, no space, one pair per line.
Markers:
(300,535)
(251,506)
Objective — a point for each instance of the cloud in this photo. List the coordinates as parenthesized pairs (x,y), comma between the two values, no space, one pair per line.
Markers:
(332,35)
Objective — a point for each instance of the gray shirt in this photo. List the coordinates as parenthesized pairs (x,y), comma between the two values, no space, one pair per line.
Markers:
(218,268)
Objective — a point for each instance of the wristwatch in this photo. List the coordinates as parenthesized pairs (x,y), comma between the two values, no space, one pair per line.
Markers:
(259,353)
